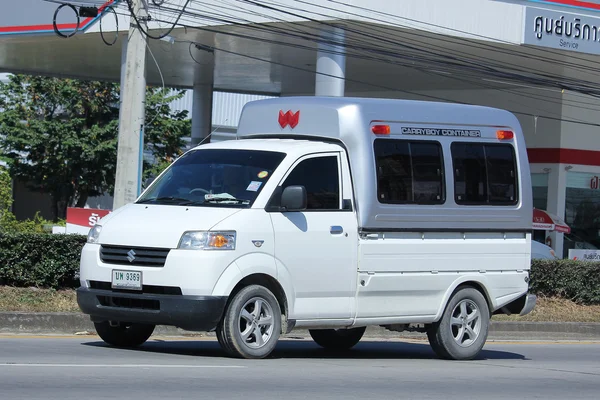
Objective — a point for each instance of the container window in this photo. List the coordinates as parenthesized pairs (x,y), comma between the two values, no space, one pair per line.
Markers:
(409,172)
(484,174)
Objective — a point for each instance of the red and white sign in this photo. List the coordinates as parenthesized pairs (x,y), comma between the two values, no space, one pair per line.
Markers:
(594,183)
(81,220)
(40,16)
(543,220)
(584,255)
(590,5)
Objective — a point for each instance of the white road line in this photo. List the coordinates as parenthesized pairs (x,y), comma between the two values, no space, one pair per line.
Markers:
(117,365)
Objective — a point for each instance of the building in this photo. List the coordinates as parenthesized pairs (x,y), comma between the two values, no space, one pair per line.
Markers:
(535,58)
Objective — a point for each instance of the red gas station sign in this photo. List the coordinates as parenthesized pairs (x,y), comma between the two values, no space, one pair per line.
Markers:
(80,220)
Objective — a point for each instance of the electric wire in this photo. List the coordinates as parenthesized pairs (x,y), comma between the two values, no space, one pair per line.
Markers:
(423,95)
(487,38)
(415,37)
(479,84)
(508,90)
(378,59)
(206,4)
(529,106)
(55,25)
(417,94)
(161,78)
(110,8)
(374,37)
(562,87)
(163,35)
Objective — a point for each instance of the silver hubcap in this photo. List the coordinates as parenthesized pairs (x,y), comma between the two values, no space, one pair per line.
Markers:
(465,323)
(256,323)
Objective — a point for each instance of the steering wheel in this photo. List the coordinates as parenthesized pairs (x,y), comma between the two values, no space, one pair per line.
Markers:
(199,190)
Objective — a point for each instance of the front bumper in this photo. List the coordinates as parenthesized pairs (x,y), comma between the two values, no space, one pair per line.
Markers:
(193,313)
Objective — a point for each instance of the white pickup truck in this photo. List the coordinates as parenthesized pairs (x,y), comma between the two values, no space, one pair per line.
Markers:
(328,214)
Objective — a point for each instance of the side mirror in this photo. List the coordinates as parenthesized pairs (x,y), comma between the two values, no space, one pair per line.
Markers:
(294,198)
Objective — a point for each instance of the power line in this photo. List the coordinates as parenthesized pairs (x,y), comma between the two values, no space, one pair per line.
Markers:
(224,20)
(164,35)
(388,15)
(315,38)
(437,98)
(487,69)
(388,61)
(367,83)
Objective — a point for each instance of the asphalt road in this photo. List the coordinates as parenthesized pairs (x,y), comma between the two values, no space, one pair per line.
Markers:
(179,368)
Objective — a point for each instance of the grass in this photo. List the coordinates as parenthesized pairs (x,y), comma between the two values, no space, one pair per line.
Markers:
(37,300)
(556,310)
(49,300)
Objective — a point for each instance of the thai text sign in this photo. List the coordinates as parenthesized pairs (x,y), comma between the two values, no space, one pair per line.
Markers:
(559,30)
(584,255)
(80,220)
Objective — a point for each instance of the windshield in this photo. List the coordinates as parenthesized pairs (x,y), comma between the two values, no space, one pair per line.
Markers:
(223,177)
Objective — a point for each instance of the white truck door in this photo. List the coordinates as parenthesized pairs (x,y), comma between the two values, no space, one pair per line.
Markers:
(318,246)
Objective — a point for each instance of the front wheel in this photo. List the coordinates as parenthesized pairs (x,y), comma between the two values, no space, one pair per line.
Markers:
(123,334)
(337,339)
(462,331)
(251,325)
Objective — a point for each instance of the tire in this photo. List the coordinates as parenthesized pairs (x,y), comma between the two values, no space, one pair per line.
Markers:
(124,335)
(248,332)
(463,329)
(337,339)
(222,340)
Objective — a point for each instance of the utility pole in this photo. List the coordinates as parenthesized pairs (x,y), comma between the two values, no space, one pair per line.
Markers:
(132,111)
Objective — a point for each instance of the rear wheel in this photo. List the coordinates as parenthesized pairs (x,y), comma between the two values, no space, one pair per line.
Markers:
(124,334)
(222,340)
(462,331)
(337,339)
(251,325)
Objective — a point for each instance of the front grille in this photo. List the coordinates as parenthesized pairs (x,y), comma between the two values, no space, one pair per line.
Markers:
(124,302)
(138,256)
(146,289)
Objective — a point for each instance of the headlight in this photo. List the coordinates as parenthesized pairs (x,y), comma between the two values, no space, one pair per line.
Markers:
(207,241)
(94,234)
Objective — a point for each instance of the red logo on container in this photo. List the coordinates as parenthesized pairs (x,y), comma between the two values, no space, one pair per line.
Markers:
(289,118)
(595,183)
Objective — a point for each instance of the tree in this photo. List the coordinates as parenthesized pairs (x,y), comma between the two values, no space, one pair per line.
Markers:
(60,135)
(164,129)
(5,193)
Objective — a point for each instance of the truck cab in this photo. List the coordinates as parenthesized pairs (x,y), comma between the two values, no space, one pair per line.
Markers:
(327,214)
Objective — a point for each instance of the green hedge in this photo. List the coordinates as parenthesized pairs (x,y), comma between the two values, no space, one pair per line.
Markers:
(575,280)
(39,259)
(45,260)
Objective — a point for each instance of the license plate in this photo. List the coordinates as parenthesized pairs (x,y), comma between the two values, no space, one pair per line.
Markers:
(127,280)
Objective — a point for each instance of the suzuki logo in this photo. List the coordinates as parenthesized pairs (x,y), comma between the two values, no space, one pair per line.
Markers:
(595,183)
(289,118)
(131,255)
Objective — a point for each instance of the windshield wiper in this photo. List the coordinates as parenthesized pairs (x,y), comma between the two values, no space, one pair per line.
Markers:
(165,198)
(192,203)
(225,199)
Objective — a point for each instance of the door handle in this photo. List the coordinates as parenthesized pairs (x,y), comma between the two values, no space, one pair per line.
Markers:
(336,230)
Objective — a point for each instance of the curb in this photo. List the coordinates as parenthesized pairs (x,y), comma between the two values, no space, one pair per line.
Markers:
(74,323)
